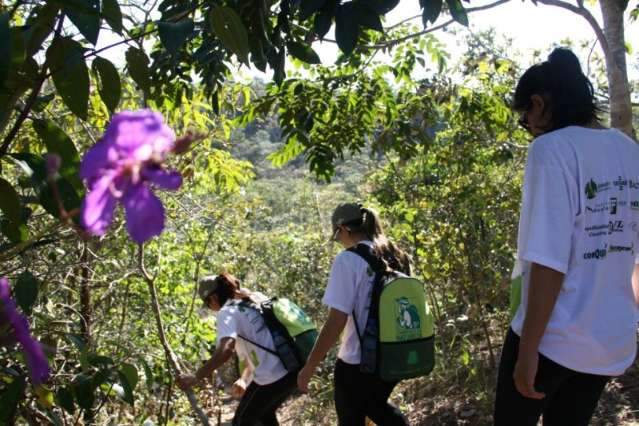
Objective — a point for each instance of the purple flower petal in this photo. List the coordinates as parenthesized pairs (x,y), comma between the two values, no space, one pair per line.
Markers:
(140,134)
(98,158)
(34,356)
(144,213)
(164,179)
(98,206)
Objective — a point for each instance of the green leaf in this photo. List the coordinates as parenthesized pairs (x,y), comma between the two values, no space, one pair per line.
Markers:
(10,202)
(368,18)
(15,232)
(85,15)
(322,24)
(432,9)
(84,391)
(346,28)
(5,48)
(112,14)
(128,375)
(64,398)
(303,52)
(382,7)
(34,166)
(58,142)
(309,7)
(138,64)
(108,82)
(40,28)
(457,11)
(173,35)
(26,291)
(288,152)
(10,398)
(70,74)
(228,27)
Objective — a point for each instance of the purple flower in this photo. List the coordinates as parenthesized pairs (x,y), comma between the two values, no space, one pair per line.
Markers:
(121,167)
(36,361)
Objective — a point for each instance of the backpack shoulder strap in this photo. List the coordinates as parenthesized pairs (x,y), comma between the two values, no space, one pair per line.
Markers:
(247,303)
(366,252)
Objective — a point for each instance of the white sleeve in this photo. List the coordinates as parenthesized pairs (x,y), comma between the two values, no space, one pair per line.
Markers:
(226,324)
(341,289)
(548,211)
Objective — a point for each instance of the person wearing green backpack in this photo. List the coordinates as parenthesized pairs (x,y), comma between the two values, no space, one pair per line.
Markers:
(241,329)
(348,295)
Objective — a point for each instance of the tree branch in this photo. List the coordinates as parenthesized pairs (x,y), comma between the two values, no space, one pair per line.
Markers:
(580,9)
(391,43)
(170,356)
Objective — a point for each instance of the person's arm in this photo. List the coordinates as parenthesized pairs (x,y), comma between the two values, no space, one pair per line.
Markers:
(328,336)
(543,290)
(240,385)
(223,353)
(635,283)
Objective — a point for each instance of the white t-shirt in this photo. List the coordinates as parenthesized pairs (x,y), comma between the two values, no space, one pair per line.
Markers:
(349,289)
(233,320)
(580,216)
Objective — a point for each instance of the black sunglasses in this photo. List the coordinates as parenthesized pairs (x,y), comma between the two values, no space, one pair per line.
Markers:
(523,121)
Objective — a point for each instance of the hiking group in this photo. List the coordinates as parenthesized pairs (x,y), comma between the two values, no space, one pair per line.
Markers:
(575,286)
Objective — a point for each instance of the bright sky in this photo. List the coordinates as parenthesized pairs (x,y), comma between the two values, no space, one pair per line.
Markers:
(530,27)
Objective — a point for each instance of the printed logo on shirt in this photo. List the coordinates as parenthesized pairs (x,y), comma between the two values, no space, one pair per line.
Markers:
(615,226)
(596,254)
(622,249)
(634,205)
(407,319)
(593,188)
(597,230)
(610,206)
(621,183)
(612,227)
(634,184)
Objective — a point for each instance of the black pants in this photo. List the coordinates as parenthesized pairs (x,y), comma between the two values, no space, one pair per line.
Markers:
(359,395)
(571,397)
(259,403)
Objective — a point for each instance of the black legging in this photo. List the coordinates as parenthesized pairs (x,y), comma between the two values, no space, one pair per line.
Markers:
(259,403)
(359,395)
(571,397)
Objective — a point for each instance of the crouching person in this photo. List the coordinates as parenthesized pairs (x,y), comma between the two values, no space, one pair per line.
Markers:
(242,330)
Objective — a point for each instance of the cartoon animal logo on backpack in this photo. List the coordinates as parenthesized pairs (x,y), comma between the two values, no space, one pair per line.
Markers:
(408,321)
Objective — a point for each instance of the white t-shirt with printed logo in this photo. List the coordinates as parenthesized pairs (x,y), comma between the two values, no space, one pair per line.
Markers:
(349,290)
(234,321)
(580,216)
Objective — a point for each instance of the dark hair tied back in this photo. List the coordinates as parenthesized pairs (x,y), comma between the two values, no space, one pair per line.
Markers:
(566,90)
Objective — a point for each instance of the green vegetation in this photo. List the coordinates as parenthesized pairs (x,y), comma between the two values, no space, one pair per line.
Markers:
(440,157)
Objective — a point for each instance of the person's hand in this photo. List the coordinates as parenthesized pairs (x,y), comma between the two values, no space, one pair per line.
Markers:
(186,381)
(238,388)
(303,377)
(525,373)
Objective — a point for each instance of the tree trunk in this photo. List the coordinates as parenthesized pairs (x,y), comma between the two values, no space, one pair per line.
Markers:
(616,68)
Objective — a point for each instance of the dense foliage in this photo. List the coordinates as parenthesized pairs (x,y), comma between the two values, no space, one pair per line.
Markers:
(439,156)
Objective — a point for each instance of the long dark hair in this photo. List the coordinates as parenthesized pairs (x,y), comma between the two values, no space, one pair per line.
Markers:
(371,226)
(564,87)
(227,287)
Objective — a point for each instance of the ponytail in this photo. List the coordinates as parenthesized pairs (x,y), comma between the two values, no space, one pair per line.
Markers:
(371,226)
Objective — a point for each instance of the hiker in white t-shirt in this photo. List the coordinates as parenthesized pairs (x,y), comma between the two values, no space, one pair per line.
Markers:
(348,295)
(242,330)
(578,246)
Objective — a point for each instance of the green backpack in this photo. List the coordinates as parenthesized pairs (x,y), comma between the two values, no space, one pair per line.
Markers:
(398,339)
(293,332)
